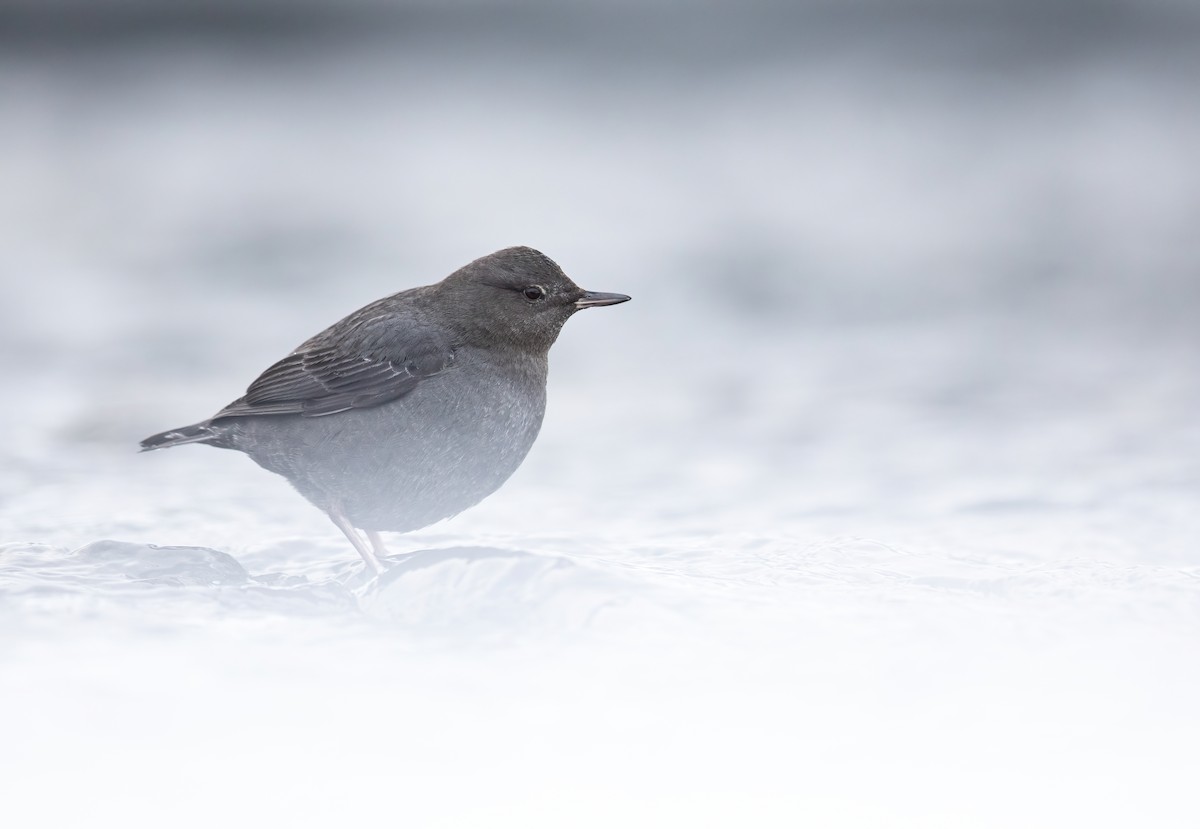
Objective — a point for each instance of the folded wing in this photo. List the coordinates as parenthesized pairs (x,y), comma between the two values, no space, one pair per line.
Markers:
(323,380)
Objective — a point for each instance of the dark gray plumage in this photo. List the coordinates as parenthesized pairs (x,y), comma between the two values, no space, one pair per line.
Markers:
(413,408)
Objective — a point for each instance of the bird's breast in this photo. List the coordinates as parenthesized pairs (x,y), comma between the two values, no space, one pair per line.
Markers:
(493,409)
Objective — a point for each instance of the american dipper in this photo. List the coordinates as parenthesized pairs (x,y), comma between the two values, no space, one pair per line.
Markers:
(413,408)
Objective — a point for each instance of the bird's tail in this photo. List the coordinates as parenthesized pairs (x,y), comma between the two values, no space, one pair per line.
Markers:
(195,433)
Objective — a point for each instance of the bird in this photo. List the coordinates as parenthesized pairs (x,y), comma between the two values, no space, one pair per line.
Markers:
(412,408)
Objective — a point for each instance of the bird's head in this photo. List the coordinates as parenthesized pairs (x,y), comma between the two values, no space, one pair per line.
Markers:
(516,297)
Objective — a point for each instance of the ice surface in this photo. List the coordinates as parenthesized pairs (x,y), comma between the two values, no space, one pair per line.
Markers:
(878,506)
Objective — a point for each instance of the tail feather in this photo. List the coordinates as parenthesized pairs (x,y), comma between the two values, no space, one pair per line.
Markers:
(196,433)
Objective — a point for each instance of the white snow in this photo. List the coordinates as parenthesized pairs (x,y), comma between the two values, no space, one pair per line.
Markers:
(878,506)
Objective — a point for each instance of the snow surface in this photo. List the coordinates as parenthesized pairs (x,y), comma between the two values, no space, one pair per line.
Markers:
(878,506)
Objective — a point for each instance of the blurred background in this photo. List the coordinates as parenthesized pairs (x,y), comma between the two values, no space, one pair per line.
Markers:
(890,471)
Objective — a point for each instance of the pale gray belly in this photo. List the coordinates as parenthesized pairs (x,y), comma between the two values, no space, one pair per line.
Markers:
(408,463)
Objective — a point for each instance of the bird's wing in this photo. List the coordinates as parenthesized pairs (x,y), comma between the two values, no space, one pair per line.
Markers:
(320,379)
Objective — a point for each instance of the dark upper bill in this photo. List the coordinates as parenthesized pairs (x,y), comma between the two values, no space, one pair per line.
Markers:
(594,299)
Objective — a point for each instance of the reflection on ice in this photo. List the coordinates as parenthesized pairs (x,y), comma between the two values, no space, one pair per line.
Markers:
(177,566)
(466,587)
(459,588)
(116,564)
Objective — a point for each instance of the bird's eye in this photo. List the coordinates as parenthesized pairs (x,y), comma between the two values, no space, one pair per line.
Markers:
(534,293)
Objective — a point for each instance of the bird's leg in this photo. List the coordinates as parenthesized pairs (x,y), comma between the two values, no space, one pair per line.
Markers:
(377,545)
(348,530)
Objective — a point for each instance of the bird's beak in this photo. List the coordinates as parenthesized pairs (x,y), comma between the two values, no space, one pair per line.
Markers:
(594,299)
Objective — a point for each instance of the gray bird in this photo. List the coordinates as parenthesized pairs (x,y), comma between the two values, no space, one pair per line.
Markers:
(413,408)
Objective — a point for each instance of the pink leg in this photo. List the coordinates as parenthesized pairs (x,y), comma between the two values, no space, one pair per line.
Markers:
(368,555)
(377,545)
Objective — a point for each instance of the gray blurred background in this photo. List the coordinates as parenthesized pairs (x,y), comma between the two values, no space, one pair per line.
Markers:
(805,160)
(877,506)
